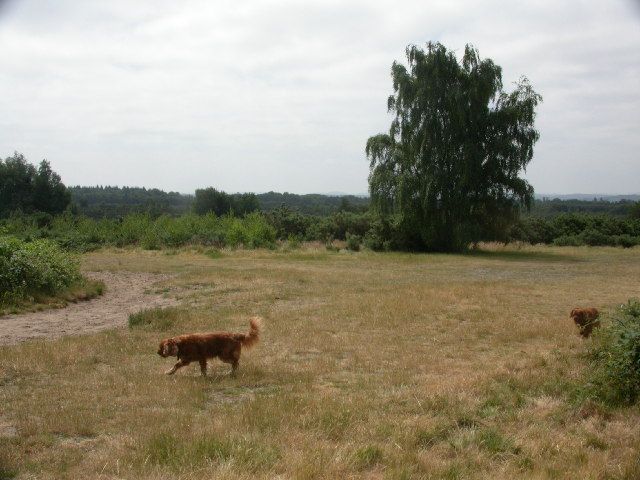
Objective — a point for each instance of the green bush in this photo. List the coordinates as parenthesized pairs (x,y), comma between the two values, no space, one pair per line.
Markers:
(615,357)
(595,238)
(36,267)
(353,242)
(83,234)
(574,229)
(627,241)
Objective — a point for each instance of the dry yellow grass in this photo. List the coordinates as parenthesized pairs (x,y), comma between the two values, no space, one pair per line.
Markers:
(371,366)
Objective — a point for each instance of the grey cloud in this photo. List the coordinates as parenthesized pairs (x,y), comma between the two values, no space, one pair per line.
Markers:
(282,95)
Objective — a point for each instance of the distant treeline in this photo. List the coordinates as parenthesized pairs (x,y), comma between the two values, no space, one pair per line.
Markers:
(34,204)
(113,202)
(313,203)
(547,207)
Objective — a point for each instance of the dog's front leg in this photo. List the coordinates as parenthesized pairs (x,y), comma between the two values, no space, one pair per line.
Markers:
(203,367)
(179,364)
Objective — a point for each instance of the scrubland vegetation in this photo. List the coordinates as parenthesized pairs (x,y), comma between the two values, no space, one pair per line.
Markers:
(392,365)
(371,366)
(80,234)
(38,273)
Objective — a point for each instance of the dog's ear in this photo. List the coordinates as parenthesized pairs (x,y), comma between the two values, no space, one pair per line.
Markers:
(171,347)
(573,312)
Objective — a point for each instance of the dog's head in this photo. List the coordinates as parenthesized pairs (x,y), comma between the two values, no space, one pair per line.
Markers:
(578,316)
(168,348)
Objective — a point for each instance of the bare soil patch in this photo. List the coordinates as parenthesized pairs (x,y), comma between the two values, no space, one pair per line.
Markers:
(126,293)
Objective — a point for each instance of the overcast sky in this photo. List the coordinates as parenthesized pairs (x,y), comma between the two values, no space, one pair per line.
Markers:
(282,95)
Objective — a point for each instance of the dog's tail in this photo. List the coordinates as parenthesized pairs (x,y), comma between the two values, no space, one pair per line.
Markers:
(249,339)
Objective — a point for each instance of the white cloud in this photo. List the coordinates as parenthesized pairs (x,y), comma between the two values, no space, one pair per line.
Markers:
(282,95)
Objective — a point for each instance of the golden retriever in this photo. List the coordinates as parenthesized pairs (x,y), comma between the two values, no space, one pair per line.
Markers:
(586,319)
(202,346)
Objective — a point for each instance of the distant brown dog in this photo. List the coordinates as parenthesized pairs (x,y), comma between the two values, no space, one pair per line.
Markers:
(202,346)
(586,319)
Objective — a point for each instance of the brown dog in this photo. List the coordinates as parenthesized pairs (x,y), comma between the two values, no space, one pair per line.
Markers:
(201,346)
(586,319)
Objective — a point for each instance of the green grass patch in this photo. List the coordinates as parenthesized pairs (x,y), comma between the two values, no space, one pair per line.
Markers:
(213,253)
(495,443)
(368,457)
(157,319)
(177,452)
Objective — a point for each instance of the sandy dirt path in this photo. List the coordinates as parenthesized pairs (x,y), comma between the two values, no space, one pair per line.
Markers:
(125,294)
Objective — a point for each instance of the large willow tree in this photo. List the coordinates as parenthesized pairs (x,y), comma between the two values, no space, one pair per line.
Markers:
(448,172)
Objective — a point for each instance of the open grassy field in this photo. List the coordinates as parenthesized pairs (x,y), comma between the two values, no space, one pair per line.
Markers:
(370,366)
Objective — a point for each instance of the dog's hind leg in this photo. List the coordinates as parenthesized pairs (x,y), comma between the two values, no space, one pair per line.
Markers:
(233,358)
(179,364)
(203,366)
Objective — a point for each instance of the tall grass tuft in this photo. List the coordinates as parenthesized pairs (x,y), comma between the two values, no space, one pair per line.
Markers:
(158,319)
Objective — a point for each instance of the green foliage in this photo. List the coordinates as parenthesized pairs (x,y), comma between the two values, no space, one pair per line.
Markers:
(547,207)
(578,229)
(293,242)
(288,222)
(313,203)
(382,234)
(36,267)
(159,319)
(353,242)
(449,166)
(84,234)
(26,189)
(615,357)
(210,200)
(114,202)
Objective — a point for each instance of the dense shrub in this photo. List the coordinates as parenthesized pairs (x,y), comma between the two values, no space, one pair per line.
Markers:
(80,234)
(36,267)
(289,223)
(382,235)
(627,241)
(615,357)
(594,238)
(578,229)
(353,242)
(84,234)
